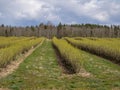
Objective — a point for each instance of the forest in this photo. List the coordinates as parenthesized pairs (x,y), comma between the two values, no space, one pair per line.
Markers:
(62,30)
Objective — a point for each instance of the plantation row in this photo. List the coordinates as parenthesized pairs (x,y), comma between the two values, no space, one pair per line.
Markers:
(13,46)
(70,55)
(8,41)
(106,47)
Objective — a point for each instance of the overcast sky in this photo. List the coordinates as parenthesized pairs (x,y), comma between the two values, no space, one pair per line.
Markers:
(33,12)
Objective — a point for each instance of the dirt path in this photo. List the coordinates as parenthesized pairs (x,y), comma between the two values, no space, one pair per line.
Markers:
(15,64)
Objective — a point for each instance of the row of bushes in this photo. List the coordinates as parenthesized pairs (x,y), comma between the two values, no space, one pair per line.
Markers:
(107,48)
(8,41)
(9,53)
(69,53)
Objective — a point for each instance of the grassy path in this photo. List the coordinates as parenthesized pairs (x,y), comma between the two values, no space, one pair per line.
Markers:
(40,71)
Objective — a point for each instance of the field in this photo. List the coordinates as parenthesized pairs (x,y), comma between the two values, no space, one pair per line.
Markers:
(61,64)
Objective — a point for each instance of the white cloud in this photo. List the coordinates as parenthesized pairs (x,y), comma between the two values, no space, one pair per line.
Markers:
(102,16)
(103,11)
(28,9)
(88,8)
(92,9)
(52,17)
(91,5)
(35,10)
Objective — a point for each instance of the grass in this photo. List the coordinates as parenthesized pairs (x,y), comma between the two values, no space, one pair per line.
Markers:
(40,71)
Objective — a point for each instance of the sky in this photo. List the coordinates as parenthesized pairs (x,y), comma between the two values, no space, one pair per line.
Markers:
(33,12)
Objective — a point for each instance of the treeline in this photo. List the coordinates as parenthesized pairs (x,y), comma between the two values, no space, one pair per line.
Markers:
(62,30)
